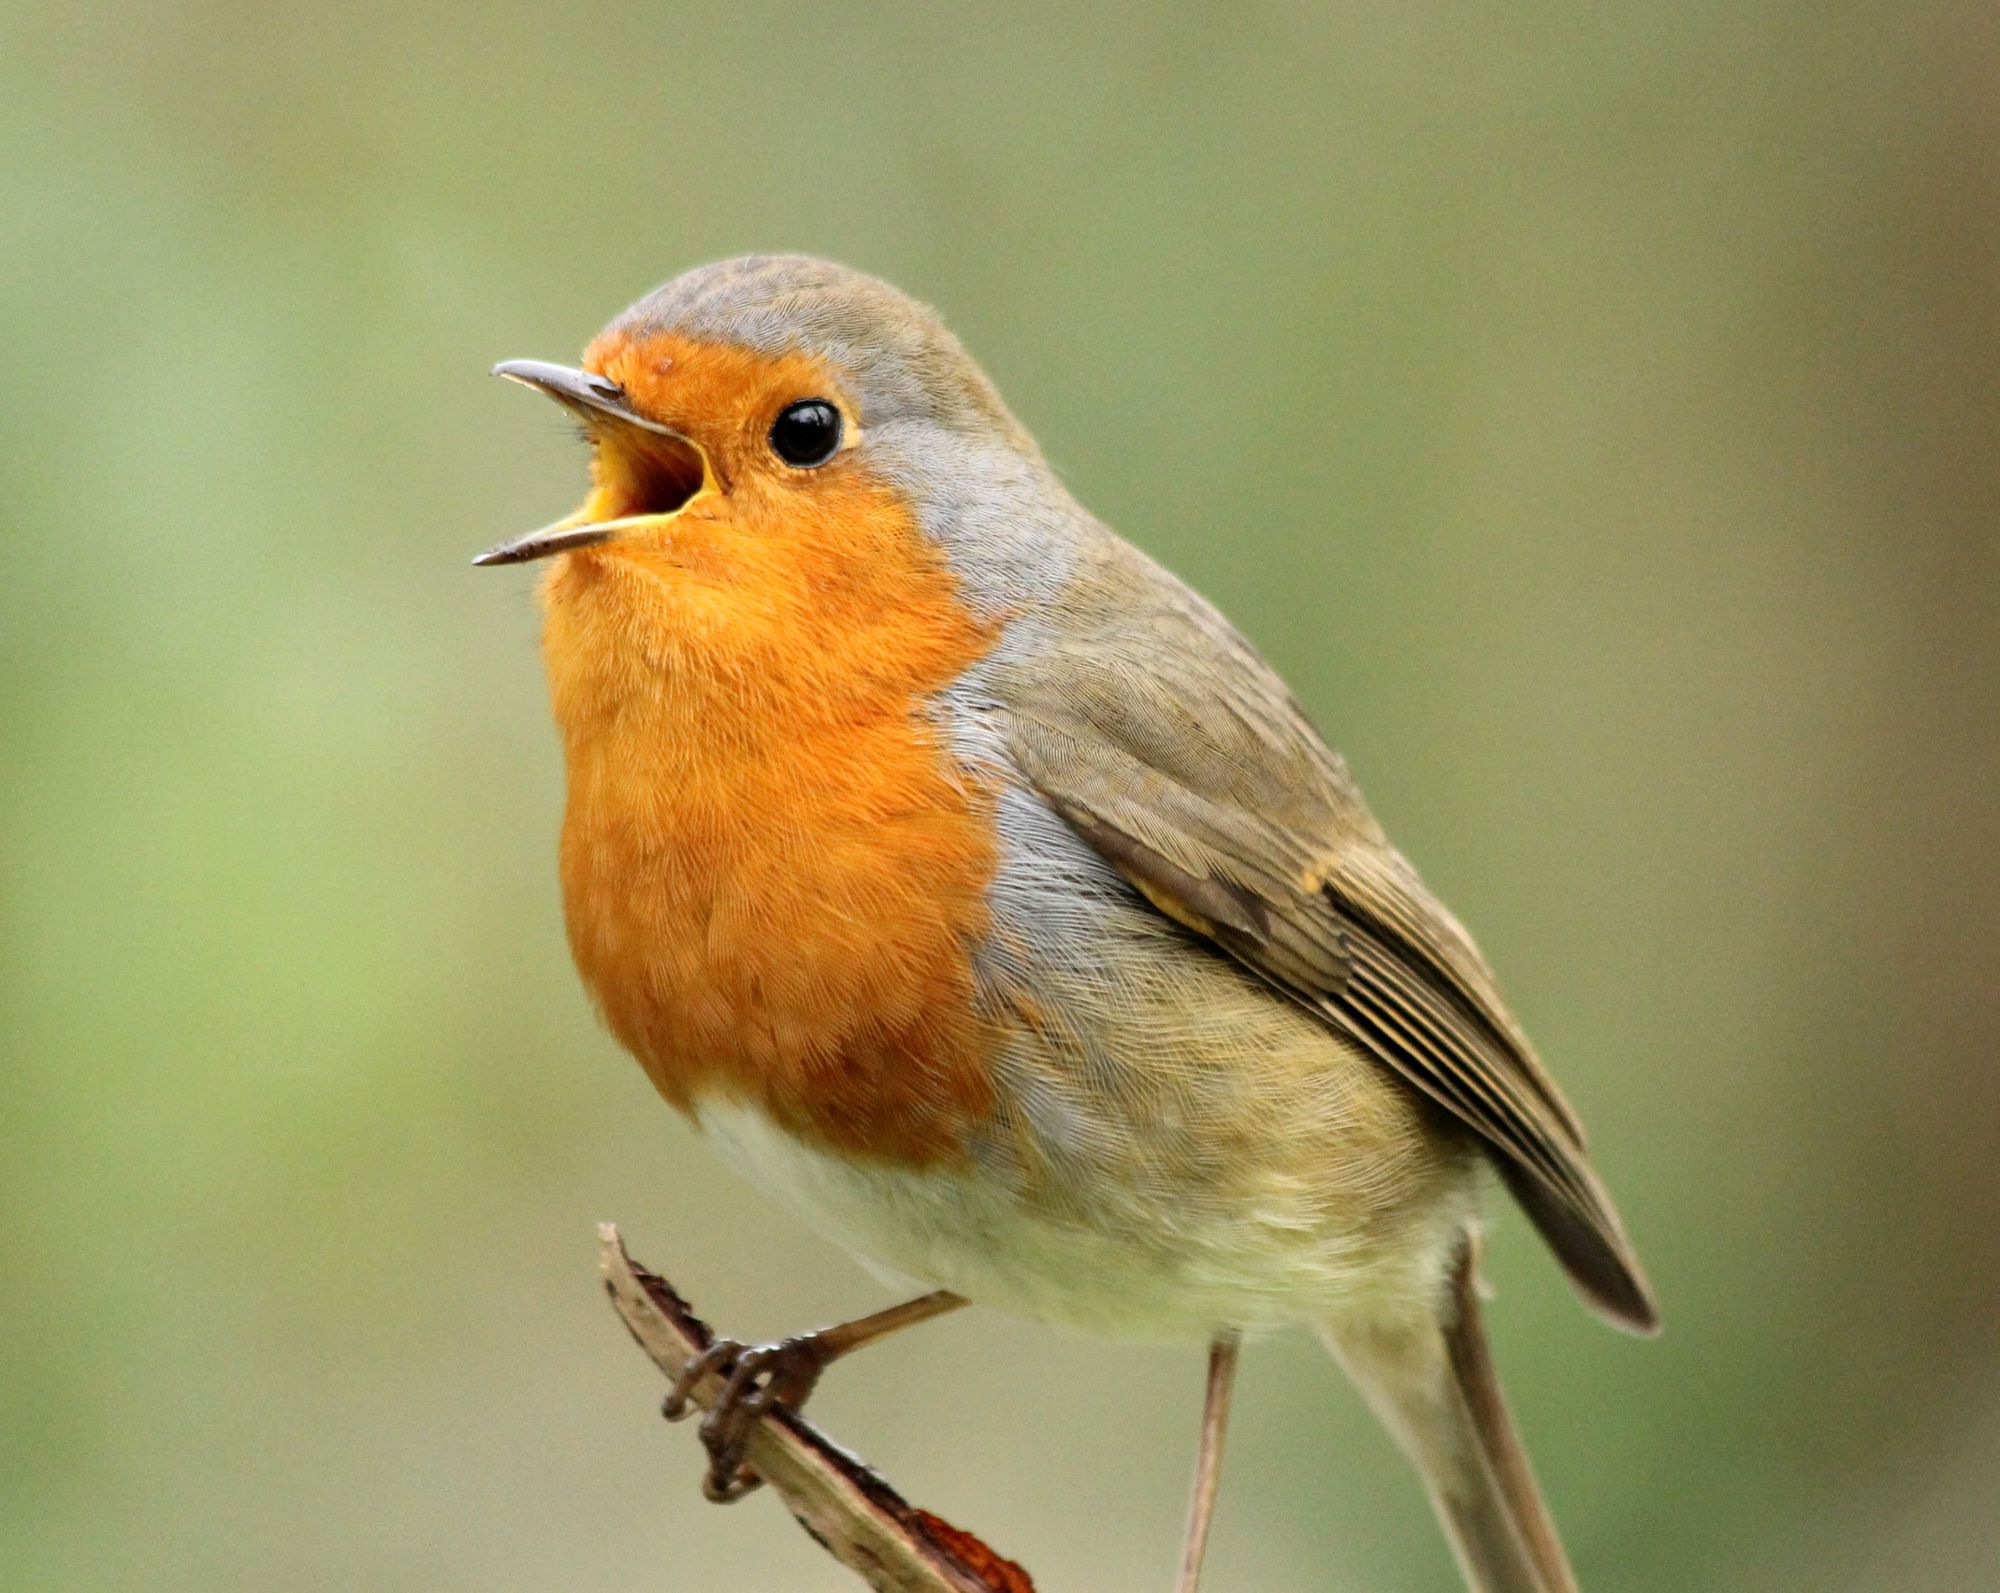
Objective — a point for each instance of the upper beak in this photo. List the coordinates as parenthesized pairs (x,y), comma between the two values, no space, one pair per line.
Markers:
(601,404)
(594,398)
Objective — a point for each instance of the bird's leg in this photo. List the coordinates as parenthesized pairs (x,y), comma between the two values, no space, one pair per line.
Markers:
(756,1377)
(1208,1461)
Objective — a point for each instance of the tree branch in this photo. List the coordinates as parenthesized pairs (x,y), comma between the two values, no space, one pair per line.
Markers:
(846,1508)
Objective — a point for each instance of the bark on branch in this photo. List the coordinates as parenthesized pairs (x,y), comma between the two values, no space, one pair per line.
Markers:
(846,1508)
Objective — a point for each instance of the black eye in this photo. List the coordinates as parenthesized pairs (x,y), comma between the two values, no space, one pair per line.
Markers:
(806,433)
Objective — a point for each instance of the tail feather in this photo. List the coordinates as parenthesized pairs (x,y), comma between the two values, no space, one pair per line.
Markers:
(1434,1387)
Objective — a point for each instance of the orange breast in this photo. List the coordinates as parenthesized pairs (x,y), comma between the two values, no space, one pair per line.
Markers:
(773,872)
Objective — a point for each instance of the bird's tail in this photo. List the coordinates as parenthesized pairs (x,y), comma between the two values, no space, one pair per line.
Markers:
(1434,1387)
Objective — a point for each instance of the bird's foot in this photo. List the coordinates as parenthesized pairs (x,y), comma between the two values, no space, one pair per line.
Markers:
(755,1378)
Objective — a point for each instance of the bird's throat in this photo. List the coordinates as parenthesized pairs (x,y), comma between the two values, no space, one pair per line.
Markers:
(773,868)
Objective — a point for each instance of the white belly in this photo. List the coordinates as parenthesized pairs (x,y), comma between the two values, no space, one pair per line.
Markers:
(1130,1270)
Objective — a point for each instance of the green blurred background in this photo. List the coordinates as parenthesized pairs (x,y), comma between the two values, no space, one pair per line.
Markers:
(1593,412)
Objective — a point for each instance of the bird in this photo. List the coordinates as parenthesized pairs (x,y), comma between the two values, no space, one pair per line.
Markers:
(976,887)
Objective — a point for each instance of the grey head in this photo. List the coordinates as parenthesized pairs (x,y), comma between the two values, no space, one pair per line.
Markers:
(904,362)
(932,422)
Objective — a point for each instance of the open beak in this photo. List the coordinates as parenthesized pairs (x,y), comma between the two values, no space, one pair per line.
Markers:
(657,469)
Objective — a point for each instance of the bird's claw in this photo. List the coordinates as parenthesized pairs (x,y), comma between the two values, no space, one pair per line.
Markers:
(755,1378)
(718,1357)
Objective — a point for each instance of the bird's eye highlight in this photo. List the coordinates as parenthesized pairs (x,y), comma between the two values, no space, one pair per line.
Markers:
(806,433)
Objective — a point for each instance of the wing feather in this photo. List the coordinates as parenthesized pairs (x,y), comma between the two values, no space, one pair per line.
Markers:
(1193,772)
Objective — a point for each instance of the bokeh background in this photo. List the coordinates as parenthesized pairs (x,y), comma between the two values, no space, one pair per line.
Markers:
(1593,412)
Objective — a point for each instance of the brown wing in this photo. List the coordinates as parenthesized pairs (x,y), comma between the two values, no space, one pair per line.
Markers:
(1163,739)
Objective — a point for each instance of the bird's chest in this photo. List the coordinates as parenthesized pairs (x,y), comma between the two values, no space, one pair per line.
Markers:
(786,923)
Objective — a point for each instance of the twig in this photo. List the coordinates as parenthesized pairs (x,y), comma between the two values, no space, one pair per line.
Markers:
(849,1511)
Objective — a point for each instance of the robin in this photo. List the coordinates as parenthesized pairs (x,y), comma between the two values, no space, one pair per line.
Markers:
(973,884)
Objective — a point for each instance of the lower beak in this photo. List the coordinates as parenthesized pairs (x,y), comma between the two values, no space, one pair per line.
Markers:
(601,405)
(565,536)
